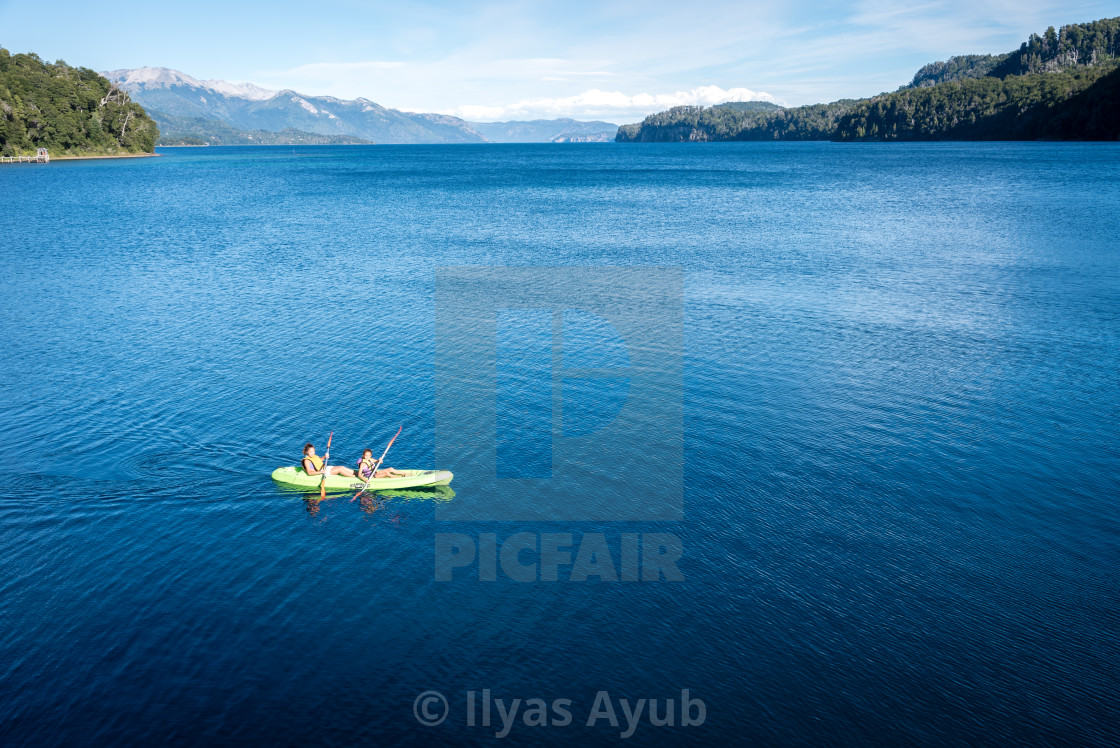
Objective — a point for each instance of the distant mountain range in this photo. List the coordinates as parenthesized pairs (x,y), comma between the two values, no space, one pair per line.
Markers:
(1062,85)
(545,131)
(192,111)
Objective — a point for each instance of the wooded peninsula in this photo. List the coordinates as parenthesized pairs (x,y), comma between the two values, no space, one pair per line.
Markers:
(69,111)
(1062,85)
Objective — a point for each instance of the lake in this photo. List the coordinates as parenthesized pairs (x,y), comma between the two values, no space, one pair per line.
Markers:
(896,401)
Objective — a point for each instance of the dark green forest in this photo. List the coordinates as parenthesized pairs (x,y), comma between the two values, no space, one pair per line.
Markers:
(1062,85)
(1079,104)
(727,122)
(1073,45)
(67,110)
(955,69)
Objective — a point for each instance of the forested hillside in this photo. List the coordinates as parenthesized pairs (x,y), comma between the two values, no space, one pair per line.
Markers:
(1077,44)
(1060,85)
(731,122)
(957,68)
(1077,104)
(67,110)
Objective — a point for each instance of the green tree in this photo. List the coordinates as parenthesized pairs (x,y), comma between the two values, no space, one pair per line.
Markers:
(1062,84)
(67,110)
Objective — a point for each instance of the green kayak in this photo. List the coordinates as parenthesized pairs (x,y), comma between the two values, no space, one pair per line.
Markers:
(296,477)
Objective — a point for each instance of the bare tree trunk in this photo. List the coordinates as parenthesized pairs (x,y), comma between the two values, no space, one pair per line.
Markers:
(115,95)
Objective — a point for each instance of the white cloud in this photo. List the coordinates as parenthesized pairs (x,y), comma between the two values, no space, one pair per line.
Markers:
(336,69)
(526,61)
(605,104)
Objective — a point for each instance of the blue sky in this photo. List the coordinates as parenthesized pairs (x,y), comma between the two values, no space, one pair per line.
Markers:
(515,60)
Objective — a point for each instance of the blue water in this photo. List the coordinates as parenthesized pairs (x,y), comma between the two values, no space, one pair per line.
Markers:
(901,431)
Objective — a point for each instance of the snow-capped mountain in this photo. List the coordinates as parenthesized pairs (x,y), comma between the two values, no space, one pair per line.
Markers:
(141,79)
(172,97)
(183,104)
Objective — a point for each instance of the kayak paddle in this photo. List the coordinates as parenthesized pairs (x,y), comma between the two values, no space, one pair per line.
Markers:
(323,480)
(378,463)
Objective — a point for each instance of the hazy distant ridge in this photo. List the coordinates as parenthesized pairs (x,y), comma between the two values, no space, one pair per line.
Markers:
(545,131)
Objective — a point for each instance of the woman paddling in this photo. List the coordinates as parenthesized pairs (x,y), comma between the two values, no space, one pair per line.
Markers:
(313,464)
(366,465)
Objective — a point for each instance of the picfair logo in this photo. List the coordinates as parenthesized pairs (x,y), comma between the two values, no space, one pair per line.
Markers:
(559,392)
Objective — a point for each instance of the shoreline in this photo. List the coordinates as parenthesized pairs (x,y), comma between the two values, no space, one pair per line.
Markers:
(286,145)
(117,155)
(84,158)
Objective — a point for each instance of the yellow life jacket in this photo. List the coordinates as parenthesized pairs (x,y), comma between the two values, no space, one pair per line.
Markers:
(316,460)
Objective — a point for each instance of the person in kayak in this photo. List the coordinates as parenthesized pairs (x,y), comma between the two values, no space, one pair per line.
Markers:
(313,464)
(366,464)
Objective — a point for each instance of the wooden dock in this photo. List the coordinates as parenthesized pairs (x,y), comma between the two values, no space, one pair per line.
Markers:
(39,158)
